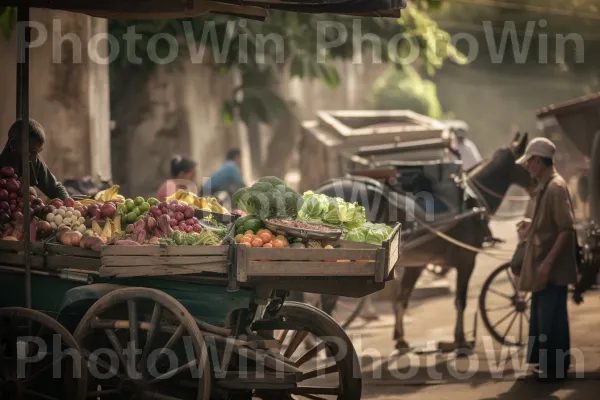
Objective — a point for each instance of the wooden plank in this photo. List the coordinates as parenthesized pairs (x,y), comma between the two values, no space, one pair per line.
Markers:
(11,245)
(380,265)
(58,262)
(19,259)
(150,250)
(153,270)
(310,254)
(241,267)
(57,248)
(300,268)
(111,261)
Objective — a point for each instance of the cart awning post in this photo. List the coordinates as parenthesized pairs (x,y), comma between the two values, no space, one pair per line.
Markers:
(23,39)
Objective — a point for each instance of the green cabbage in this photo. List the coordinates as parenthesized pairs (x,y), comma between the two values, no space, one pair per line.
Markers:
(370,233)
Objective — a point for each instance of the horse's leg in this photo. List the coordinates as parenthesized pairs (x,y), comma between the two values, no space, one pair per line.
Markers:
(464,272)
(408,280)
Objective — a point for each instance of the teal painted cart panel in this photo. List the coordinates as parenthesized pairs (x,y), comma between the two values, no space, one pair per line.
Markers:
(67,301)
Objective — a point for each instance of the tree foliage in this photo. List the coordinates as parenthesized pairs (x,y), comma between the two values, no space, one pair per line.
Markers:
(287,43)
(8,19)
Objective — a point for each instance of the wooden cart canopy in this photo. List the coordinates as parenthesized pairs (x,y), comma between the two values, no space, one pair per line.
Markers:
(257,9)
(578,119)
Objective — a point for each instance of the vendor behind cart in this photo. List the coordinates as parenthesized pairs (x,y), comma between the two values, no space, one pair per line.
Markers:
(40,175)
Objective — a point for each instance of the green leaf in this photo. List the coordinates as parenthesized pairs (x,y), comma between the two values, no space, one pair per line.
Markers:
(8,20)
(228,110)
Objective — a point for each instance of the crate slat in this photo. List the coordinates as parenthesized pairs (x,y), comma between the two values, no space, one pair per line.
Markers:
(19,260)
(154,270)
(61,261)
(288,254)
(11,245)
(307,268)
(76,251)
(112,261)
(150,250)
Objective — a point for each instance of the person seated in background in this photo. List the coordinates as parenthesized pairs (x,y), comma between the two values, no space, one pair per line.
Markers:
(468,151)
(40,175)
(227,179)
(183,176)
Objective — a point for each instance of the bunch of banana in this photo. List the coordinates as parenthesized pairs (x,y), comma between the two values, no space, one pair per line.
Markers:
(110,194)
(204,203)
(182,195)
(110,231)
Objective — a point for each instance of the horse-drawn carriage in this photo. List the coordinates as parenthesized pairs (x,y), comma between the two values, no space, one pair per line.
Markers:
(402,168)
(576,122)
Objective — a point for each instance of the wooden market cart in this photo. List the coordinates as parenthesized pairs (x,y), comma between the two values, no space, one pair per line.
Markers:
(177,322)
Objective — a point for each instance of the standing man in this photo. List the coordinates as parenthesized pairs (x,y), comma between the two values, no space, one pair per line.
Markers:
(468,151)
(549,261)
(228,178)
(40,176)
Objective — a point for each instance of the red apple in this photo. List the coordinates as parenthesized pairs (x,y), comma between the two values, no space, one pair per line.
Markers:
(69,202)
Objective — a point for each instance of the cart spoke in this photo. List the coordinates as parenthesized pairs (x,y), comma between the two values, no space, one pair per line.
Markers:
(39,372)
(172,340)
(114,341)
(504,318)
(98,361)
(154,324)
(313,373)
(497,293)
(133,334)
(521,328)
(510,325)
(170,374)
(38,394)
(282,336)
(498,308)
(512,282)
(310,354)
(297,338)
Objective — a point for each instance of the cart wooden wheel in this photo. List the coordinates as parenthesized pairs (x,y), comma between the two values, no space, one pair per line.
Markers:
(141,343)
(329,363)
(53,369)
(505,311)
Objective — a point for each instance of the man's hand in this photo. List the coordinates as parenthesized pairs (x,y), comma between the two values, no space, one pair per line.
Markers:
(542,276)
(523,227)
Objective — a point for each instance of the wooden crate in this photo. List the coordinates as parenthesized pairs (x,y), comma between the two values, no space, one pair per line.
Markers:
(149,260)
(60,256)
(11,253)
(349,259)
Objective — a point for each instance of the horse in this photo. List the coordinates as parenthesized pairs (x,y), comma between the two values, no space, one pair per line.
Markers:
(487,184)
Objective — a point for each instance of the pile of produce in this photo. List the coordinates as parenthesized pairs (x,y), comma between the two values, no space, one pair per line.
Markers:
(133,210)
(209,204)
(262,238)
(11,202)
(268,198)
(319,208)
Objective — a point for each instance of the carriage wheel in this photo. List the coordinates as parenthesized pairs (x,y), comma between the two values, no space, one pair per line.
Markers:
(142,343)
(53,354)
(504,309)
(329,362)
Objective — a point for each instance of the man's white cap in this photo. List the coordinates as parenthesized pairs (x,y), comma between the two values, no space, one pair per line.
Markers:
(541,147)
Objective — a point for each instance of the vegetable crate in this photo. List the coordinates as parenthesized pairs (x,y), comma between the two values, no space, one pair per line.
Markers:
(313,270)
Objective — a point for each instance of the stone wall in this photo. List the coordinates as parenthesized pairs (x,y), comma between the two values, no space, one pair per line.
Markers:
(174,111)
(69,98)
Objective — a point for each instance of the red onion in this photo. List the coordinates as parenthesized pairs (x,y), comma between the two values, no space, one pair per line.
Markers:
(12,196)
(188,212)
(7,172)
(179,216)
(197,228)
(155,211)
(190,221)
(173,222)
(2,183)
(3,195)
(16,215)
(12,185)
(4,205)
(188,228)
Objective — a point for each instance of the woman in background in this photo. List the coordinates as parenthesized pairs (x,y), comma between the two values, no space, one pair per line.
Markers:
(183,176)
